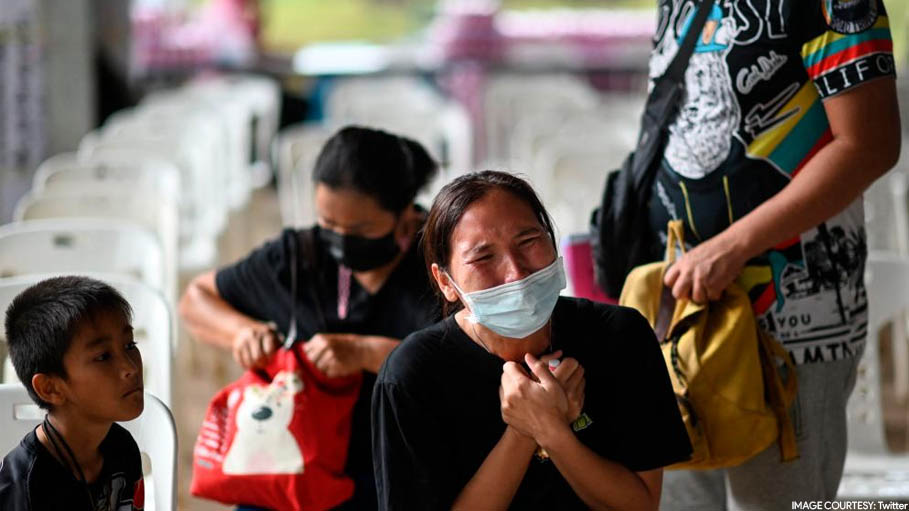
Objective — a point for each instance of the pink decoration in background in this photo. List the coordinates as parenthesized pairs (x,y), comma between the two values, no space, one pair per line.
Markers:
(579,265)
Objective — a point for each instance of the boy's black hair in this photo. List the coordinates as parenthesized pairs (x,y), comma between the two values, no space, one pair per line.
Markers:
(42,321)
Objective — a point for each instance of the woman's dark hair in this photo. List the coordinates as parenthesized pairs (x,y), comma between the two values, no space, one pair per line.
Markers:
(389,168)
(451,203)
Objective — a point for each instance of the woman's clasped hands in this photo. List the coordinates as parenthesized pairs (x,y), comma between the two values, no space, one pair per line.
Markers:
(545,401)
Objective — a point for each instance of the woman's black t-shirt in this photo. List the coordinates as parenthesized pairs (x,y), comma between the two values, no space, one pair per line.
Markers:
(259,287)
(436,408)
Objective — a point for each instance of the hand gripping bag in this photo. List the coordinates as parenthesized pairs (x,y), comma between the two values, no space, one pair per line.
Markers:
(723,368)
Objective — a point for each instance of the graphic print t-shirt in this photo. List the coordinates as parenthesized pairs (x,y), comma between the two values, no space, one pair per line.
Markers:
(750,118)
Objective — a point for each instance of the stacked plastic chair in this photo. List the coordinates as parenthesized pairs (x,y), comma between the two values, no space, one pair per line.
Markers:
(145,197)
(404,106)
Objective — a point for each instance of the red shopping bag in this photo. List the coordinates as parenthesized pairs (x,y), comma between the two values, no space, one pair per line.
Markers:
(277,438)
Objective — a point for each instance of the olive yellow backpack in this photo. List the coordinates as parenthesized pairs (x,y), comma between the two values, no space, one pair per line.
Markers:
(723,368)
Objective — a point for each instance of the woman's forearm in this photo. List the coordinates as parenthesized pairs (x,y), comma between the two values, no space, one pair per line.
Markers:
(495,483)
(600,483)
(207,316)
(376,350)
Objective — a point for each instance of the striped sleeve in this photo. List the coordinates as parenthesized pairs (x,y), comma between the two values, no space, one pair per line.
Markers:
(855,47)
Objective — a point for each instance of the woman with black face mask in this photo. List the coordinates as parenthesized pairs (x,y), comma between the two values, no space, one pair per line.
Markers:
(361,283)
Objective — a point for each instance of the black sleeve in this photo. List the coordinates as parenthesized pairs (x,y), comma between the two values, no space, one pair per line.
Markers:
(131,458)
(14,480)
(648,421)
(409,450)
(128,454)
(253,285)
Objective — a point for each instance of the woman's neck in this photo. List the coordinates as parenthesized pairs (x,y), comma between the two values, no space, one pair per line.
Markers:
(506,348)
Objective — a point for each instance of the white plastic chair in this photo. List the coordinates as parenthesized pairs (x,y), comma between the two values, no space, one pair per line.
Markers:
(112,202)
(200,217)
(260,96)
(899,189)
(217,127)
(357,98)
(82,245)
(182,129)
(154,432)
(296,150)
(871,470)
(509,98)
(234,119)
(410,107)
(153,326)
(121,168)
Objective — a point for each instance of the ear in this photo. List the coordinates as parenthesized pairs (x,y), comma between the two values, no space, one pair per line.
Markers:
(50,388)
(406,229)
(448,290)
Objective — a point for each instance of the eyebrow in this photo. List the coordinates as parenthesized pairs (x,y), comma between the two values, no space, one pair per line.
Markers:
(351,227)
(483,246)
(529,230)
(98,341)
(128,329)
(475,249)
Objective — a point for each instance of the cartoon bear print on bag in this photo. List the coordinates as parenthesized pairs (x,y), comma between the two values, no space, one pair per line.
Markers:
(263,443)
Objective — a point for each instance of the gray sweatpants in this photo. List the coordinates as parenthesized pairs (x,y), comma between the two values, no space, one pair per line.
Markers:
(764,482)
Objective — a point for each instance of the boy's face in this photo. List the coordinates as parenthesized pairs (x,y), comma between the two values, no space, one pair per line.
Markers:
(104,370)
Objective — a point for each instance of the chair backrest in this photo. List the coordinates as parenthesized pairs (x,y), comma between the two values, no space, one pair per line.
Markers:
(111,202)
(263,96)
(153,326)
(144,172)
(355,98)
(887,285)
(202,126)
(200,180)
(234,117)
(154,432)
(82,245)
(297,148)
(509,98)
(198,235)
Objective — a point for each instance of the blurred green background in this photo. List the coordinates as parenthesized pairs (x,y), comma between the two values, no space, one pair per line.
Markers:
(290,24)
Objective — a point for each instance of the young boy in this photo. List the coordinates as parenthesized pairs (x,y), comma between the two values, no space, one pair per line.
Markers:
(71,342)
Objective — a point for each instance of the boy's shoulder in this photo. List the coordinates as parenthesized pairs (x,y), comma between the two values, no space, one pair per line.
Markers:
(121,452)
(16,471)
(123,469)
(29,470)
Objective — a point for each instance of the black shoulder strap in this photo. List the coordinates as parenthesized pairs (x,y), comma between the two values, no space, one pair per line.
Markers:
(675,73)
(303,250)
(662,103)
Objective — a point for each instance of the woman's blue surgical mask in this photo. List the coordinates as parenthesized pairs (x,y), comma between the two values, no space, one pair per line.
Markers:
(520,308)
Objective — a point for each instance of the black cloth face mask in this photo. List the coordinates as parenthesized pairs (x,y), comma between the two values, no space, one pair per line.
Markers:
(359,253)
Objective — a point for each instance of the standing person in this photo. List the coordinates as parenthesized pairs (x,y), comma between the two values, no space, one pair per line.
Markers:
(461,423)
(789,114)
(370,290)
